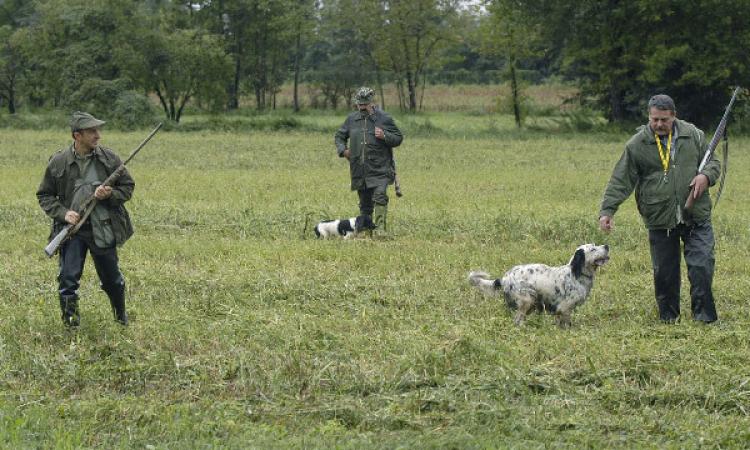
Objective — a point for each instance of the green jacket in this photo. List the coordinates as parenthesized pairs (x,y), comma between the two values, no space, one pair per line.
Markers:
(371,160)
(56,190)
(661,201)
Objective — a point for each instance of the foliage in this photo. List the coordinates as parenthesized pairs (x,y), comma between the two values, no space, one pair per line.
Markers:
(511,31)
(624,52)
(402,36)
(178,67)
(132,110)
(217,55)
(339,61)
(258,36)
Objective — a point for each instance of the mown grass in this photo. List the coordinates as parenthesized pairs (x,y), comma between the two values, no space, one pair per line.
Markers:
(249,333)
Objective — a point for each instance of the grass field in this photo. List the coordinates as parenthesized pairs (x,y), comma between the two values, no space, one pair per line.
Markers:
(246,332)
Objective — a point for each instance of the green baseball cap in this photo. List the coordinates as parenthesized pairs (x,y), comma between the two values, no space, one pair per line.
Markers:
(83,120)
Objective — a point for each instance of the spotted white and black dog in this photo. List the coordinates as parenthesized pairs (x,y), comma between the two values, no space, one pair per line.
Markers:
(557,290)
(346,228)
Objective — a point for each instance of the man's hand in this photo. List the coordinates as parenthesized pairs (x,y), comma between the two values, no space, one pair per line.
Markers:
(606,223)
(346,153)
(699,185)
(72,217)
(103,192)
(379,134)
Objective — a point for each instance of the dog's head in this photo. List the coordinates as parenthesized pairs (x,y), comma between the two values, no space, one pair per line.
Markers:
(346,226)
(587,258)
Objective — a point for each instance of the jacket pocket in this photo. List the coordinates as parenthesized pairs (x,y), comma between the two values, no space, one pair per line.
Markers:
(122,228)
(657,210)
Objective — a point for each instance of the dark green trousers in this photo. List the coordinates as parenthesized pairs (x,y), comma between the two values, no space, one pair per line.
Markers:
(698,243)
(369,197)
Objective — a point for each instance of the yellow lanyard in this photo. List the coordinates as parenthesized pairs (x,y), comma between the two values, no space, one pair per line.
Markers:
(664,156)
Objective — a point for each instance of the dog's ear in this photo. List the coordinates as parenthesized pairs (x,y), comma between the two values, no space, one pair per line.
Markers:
(344,226)
(576,264)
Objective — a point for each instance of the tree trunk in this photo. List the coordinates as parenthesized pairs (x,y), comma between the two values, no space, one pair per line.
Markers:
(421,95)
(515,95)
(615,104)
(411,85)
(296,67)
(234,88)
(379,78)
(10,95)
(162,100)
(12,101)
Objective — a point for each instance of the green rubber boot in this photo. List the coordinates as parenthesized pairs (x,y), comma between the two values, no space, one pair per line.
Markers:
(379,219)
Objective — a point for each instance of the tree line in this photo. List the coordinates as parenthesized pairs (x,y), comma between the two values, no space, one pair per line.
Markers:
(215,54)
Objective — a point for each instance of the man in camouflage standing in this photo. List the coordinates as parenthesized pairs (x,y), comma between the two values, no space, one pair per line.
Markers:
(371,134)
(73,174)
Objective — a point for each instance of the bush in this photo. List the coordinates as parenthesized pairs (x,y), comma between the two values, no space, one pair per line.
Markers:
(95,96)
(580,119)
(133,110)
(113,101)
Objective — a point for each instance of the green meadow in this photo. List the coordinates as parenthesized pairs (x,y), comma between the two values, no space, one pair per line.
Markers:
(247,332)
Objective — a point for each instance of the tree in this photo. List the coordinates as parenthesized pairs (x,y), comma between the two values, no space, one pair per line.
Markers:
(303,23)
(404,36)
(337,61)
(11,68)
(622,52)
(258,35)
(68,41)
(178,66)
(413,32)
(511,32)
(13,15)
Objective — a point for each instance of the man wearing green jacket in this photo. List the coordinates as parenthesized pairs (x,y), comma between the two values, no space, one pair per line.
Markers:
(660,163)
(371,136)
(73,174)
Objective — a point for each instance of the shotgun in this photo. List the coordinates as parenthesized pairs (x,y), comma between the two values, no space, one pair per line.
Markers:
(90,203)
(712,145)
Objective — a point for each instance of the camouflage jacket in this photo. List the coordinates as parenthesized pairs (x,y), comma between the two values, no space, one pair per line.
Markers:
(56,191)
(661,199)
(371,160)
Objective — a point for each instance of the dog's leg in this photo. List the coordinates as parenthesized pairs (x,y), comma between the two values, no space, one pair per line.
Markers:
(524,303)
(563,318)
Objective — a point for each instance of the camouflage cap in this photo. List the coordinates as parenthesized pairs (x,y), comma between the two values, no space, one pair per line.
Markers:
(364,95)
(82,120)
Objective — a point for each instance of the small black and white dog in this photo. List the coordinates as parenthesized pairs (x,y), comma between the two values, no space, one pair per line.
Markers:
(346,228)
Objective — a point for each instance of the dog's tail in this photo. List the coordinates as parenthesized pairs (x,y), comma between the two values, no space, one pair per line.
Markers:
(483,282)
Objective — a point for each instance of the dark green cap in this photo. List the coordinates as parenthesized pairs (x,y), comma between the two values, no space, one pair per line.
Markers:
(83,120)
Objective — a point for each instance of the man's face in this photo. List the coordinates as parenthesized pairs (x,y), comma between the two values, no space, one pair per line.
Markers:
(87,139)
(661,120)
(365,107)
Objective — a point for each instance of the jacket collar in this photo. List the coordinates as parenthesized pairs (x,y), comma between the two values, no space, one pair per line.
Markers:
(371,116)
(648,134)
(70,156)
